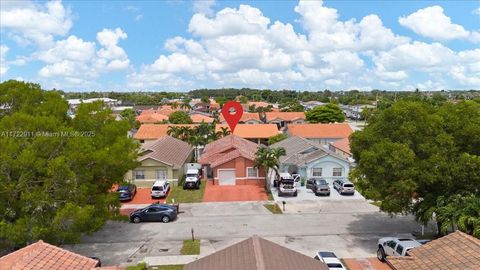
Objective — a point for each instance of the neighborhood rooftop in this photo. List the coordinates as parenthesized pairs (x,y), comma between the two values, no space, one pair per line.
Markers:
(256,253)
(41,255)
(168,150)
(456,251)
(252,131)
(337,130)
(156,131)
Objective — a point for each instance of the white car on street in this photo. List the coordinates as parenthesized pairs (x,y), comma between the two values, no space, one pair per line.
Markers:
(330,259)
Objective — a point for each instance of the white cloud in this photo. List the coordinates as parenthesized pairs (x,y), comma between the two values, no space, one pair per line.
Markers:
(111,56)
(476,11)
(3,65)
(71,49)
(28,22)
(431,22)
(203,6)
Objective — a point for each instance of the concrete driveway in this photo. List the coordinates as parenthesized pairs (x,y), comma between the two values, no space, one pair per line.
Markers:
(348,228)
(305,194)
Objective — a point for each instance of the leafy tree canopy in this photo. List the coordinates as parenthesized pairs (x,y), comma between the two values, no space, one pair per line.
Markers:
(179,117)
(277,138)
(291,106)
(131,117)
(417,157)
(56,172)
(329,113)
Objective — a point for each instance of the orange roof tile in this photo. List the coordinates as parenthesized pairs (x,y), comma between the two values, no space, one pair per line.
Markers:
(41,255)
(246,116)
(456,251)
(198,118)
(156,131)
(226,149)
(258,104)
(149,117)
(286,116)
(338,130)
(252,131)
(343,145)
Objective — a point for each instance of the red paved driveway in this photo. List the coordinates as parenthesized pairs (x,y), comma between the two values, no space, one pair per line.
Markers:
(217,193)
(366,264)
(143,197)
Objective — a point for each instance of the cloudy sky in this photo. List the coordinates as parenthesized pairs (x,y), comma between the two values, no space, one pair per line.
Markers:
(182,45)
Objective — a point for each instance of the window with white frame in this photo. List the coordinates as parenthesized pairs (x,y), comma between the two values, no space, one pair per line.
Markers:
(337,171)
(316,172)
(161,174)
(252,172)
(139,174)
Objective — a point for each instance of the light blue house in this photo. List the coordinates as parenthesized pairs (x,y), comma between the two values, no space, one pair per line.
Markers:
(312,160)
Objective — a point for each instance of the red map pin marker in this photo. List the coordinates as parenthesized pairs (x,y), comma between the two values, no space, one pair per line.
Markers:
(232,112)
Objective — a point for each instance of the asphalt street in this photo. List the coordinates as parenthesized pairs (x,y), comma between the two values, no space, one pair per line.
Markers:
(349,228)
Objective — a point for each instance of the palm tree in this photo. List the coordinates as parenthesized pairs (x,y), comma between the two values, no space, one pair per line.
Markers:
(174,105)
(185,106)
(269,159)
(224,132)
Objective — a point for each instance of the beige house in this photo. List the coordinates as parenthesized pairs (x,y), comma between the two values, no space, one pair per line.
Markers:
(162,159)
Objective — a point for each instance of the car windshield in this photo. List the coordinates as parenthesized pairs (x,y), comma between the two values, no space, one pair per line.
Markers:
(327,255)
(191,175)
(157,188)
(320,182)
(334,265)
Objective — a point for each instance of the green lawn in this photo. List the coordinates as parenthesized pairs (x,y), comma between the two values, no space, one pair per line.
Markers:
(190,247)
(188,195)
(273,208)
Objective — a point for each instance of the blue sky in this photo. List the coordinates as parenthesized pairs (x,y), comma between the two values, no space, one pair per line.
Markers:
(181,45)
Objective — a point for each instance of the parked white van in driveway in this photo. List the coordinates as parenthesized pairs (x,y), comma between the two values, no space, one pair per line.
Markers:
(160,189)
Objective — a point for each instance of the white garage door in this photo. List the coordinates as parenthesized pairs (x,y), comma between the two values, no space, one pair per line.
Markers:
(226,177)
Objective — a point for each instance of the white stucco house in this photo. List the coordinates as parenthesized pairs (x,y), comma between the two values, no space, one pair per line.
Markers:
(312,160)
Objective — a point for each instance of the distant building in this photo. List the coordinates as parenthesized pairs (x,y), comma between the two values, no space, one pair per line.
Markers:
(321,133)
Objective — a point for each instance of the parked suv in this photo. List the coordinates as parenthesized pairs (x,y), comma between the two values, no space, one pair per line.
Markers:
(391,246)
(160,189)
(344,187)
(287,185)
(192,179)
(126,192)
(319,186)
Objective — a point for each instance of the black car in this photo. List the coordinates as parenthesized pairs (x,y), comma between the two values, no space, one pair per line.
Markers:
(126,192)
(319,186)
(154,212)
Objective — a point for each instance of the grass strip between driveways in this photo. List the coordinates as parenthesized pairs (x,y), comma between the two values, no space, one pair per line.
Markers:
(273,208)
(188,195)
(190,247)
(168,267)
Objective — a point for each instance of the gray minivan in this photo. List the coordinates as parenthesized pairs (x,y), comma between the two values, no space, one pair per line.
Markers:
(344,187)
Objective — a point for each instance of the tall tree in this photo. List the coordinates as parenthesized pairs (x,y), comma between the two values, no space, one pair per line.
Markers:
(329,113)
(269,159)
(416,157)
(56,172)
(130,116)
(179,117)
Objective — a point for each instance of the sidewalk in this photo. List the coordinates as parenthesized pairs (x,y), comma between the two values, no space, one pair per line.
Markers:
(170,260)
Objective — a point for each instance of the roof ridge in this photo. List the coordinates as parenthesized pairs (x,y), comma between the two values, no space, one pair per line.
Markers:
(257,250)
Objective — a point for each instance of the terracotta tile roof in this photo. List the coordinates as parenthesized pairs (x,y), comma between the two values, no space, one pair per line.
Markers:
(343,145)
(151,117)
(258,104)
(198,118)
(338,130)
(252,131)
(245,117)
(41,255)
(256,253)
(155,131)
(168,150)
(285,116)
(456,251)
(226,149)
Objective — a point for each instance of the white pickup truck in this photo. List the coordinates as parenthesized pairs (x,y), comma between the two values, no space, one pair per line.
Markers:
(287,185)
(392,246)
(192,179)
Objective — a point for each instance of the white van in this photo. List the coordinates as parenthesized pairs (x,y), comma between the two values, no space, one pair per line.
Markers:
(192,179)
(160,189)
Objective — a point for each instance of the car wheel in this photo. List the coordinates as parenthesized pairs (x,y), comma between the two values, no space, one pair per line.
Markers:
(328,194)
(165,219)
(295,194)
(136,219)
(381,254)
(184,187)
